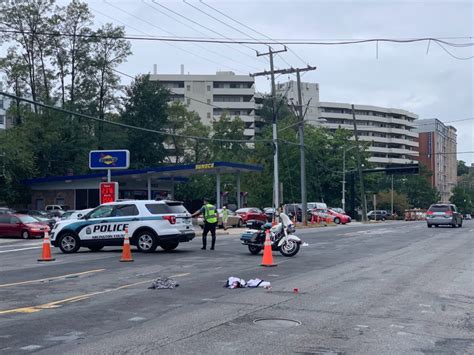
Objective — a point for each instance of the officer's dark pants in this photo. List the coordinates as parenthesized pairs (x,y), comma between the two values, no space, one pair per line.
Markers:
(209,227)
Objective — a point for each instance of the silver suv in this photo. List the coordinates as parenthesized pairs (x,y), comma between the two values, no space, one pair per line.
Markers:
(443,214)
(150,224)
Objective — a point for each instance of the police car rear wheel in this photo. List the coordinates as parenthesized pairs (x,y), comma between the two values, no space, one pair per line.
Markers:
(69,243)
(169,245)
(146,242)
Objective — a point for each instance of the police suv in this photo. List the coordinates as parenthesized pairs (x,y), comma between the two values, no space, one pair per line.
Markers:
(150,224)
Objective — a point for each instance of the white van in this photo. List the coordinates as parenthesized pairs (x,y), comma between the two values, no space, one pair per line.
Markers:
(317,205)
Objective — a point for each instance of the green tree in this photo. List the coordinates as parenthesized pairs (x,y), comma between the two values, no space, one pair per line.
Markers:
(418,189)
(400,201)
(463,199)
(182,122)
(145,105)
(229,130)
(462,168)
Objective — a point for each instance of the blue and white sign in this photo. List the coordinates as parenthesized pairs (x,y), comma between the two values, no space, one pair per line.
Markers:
(109,159)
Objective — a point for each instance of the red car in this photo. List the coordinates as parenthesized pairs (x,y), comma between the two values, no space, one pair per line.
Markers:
(339,218)
(251,213)
(20,225)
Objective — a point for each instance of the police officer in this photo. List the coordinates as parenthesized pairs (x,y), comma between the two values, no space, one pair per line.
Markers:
(210,216)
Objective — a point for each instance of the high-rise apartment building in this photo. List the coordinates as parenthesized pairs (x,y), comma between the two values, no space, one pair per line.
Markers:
(438,147)
(390,132)
(212,95)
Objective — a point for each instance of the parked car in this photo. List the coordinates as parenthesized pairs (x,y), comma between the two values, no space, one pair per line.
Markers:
(378,215)
(338,210)
(270,212)
(293,209)
(322,213)
(443,214)
(20,225)
(6,210)
(56,210)
(316,205)
(234,220)
(249,213)
(468,216)
(339,218)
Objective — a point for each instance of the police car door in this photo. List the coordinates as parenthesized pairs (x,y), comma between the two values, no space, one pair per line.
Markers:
(105,226)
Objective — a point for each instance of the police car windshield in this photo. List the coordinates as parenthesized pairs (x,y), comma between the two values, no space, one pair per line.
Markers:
(162,208)
(102,211)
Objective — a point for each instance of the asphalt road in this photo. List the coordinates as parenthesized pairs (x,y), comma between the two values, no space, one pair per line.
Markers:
(393,287)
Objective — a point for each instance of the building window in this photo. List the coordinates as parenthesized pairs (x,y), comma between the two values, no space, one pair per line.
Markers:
(209,88)
(188,101)
(208,115)
(188,87)
(208,101)
(2,119)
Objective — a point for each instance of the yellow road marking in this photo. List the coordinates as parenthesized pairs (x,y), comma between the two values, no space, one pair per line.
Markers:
(51,278)
(56,304)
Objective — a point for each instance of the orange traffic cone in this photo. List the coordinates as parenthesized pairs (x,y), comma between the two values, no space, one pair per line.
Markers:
(46,252)
(267,259)
(126,252)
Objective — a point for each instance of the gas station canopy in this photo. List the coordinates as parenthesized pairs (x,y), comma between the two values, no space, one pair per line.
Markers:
(145,177)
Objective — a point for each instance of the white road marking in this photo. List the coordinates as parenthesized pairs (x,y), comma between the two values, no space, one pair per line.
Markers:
(424,305)
(21,249)
(137,319)
(362,326)
(31,347)
(19,245)
(208,299)
(397,326)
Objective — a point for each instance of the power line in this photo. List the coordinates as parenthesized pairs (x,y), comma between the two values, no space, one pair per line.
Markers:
(205,27)
(215,18)
(234,28)
(192,28)
(254,30)
(124,125)
(146,34)
(452,55)
(173,34)
(234,41)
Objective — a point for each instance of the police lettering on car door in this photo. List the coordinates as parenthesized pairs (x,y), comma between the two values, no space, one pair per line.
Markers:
(104,231)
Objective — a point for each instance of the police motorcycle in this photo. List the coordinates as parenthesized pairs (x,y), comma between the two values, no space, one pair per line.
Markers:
(281,236)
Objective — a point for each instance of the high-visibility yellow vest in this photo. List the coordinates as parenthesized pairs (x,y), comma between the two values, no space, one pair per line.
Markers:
(210,213)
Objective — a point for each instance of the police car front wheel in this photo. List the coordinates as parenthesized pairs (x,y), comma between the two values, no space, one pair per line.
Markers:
(69,243)
(146,241)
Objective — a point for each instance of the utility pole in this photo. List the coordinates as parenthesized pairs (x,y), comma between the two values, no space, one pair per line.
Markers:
(300,114)
(276,183)
(359,167)
(391,198)
(304,203)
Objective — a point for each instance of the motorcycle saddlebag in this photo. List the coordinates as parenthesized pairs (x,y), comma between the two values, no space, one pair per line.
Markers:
(249,236)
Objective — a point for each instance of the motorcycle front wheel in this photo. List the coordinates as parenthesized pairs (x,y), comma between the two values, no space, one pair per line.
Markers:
(289,248)
(254,249)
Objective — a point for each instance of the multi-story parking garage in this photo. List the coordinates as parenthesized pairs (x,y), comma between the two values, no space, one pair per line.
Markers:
(391,132)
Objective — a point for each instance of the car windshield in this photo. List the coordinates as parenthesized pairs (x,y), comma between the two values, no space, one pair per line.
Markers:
(27,219)
(439,208)
(244,210)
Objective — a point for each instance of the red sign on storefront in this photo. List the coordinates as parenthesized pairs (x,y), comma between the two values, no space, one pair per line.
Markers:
(108,192)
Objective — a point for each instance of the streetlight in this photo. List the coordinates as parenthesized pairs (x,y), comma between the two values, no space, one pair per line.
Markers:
(344,177)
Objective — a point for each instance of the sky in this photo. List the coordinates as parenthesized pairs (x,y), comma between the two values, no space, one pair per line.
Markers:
(415,77)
